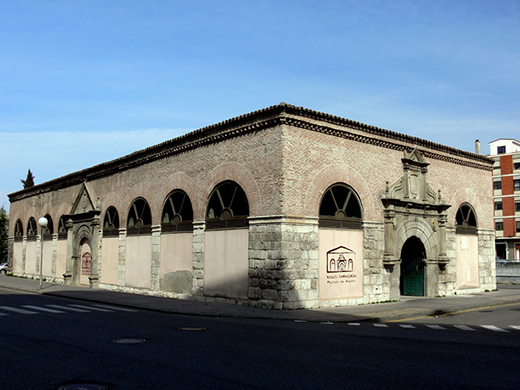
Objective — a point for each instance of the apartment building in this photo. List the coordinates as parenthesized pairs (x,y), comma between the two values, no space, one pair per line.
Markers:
(506,195)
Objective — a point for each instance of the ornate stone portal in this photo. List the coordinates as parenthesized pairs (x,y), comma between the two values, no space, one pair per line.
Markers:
(82,228)
(413,209)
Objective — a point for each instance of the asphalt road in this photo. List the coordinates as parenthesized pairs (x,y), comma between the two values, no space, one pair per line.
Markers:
(48,342)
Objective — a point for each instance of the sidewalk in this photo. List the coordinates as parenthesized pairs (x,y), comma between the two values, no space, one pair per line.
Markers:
(409,307)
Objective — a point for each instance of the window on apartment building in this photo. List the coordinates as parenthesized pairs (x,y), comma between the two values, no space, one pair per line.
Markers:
(497,185)
(517,185)
(518,226)
(517,206)
(498,205)
(516,165)
(501,149)
(499,226)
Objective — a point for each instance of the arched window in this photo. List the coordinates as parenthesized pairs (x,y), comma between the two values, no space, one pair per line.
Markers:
(18,230)
(139,219)
(32,229)
(466,220)
(49,230)
(62,228)
(340,207)
(177,214)
(227,207)
(111,222)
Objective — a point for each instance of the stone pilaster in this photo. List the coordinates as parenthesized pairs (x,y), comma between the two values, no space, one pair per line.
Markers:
(121,266)
(156,257)
(486,257)
(69,262)
(448,274)
(376,278)
(95,245)
(10,252)
(54,253)
(199,228)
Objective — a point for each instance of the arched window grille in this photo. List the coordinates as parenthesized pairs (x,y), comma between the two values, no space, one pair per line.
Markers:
(49,230)
(227,207)
(62,228)
(32,229)
(466,220)
(139,219)
(111,222)
(177,214)
(340,207)
(18,230)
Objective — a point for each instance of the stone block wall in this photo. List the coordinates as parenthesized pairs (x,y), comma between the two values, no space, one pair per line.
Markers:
(377,279)
(486,251)
(283,262)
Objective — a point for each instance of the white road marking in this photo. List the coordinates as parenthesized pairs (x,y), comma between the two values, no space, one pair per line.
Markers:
(68,308)
(354,323)
(43,309)
(407,326)
(435,327)
(494,328)
(517,327)
(91,308)
(14,309)
(463,327)
(123,308)
(381,325)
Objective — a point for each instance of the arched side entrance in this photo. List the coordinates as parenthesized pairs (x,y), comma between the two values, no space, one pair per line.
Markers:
(413,255)
(85,262)
(82,226)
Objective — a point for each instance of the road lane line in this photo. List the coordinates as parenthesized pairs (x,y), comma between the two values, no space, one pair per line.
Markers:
(435,327)
(494,328)
(69,308)
(381,325)
(463,327)
(517,327)
(116,308)
(92,308)
(43,309)
(14,309)
(454,312)
(407,326)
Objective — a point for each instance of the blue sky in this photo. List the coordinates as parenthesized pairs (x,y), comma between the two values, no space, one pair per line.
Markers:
(83,82)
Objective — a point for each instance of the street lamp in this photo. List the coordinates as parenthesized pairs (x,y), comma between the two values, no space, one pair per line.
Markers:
(43,223)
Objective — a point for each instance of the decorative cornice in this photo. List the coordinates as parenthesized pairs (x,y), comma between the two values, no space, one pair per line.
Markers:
(479,162)
(269,117)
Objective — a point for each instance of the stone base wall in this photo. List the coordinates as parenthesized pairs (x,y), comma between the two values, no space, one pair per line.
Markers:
(283,262)
(486,256)
(377,279)
(284,266)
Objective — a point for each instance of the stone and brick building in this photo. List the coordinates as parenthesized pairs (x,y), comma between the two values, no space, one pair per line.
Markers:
(506,190)
(284,207)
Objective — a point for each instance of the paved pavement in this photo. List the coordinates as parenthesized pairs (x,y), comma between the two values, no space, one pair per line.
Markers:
(408,307)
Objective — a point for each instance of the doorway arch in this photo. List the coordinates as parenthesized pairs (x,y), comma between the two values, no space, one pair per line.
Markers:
(413,254)
(85,262)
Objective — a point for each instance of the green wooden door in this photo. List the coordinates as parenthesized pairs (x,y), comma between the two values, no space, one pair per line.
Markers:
(412,274)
